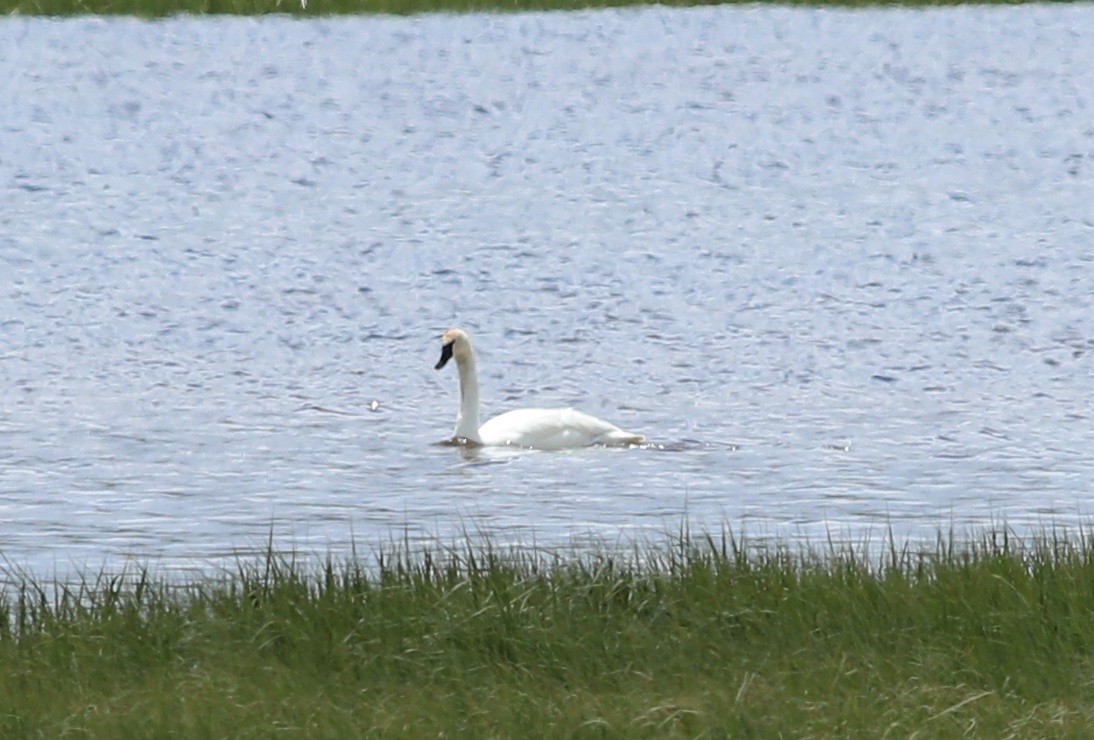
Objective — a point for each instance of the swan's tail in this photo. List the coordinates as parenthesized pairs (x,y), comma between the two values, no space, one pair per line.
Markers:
(622,437)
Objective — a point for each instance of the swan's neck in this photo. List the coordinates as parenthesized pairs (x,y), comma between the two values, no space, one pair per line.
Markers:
(467,423)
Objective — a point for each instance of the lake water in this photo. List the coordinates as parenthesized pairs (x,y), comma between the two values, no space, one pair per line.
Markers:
(838,266)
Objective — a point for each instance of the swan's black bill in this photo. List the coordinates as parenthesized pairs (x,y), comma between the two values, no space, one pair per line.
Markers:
(446,355)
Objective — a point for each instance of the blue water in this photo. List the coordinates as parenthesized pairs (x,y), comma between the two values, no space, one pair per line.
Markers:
(836,265)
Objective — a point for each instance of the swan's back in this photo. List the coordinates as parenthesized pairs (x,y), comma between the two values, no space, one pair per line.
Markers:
(553,429)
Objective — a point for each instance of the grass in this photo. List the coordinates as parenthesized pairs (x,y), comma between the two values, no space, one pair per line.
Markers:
(160,8)
(707,636)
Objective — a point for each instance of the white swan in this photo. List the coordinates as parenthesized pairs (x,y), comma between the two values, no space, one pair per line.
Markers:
(543,429)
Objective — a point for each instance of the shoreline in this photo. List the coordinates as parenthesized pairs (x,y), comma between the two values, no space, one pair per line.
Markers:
(701,634)
(314,8)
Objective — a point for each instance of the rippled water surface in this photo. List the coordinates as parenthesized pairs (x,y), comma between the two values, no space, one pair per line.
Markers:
(836,265)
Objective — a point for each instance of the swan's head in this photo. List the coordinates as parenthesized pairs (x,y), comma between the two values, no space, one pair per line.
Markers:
(454,343)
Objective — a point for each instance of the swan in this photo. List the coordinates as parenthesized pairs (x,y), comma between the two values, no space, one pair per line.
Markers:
(543,429)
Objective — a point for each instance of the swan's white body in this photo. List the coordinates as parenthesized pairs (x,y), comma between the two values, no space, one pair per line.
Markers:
(543,429)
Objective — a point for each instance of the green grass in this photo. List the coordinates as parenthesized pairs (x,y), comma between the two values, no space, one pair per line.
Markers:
(159,8)
(707,636)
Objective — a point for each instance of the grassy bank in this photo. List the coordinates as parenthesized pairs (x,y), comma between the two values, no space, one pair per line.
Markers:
(703,637)
(158,8)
